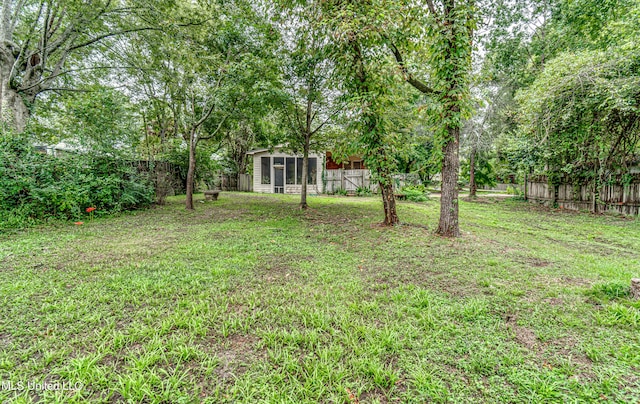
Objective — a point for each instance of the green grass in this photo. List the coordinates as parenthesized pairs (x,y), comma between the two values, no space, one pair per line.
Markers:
(249,299)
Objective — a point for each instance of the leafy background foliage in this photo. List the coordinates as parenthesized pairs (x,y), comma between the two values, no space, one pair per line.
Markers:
(36,187)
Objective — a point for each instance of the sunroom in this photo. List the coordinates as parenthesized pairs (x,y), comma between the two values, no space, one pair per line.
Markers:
(277,171)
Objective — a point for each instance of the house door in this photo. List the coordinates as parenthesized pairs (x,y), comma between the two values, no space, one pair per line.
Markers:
(278,185)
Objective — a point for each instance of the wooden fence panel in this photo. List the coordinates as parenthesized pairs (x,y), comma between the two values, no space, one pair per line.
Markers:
(351,180)
(241,182)
(614,197)
(245,183)
(501,187)
(348,180)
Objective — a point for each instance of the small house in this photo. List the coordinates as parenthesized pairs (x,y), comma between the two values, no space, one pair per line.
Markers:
(280,172)
(352,163)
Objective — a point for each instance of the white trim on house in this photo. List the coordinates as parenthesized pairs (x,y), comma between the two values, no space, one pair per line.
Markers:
(258,186)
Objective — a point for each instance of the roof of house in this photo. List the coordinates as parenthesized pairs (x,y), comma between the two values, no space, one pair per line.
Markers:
(264,149)
(268,149)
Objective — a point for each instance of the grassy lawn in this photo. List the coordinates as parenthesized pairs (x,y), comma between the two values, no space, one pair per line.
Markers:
(248,299)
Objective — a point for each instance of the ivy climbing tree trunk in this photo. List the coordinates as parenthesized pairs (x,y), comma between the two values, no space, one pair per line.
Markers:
(357,54)
(448,225)
(376,156)
(450,24)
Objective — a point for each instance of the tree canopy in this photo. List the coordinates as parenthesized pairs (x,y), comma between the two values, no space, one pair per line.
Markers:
(507,89)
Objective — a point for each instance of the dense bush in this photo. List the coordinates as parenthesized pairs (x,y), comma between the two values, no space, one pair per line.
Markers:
(415,193)
(36,187)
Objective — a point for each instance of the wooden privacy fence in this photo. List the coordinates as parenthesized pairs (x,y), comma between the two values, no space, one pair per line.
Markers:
(402,180)
(167,178)
(241,182)
(502,187)
(613,197)
(351,180)
(348,180)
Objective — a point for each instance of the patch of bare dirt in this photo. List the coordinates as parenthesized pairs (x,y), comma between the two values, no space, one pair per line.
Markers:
(235,353)
(548,280)
(279,269)
(564,345)
(547,352)
(532,262)
(539,263)
(523,335)
(376,395)
(554,301)
(575,281)
(5,341)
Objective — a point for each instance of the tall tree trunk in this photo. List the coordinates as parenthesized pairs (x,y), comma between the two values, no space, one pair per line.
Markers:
(14,110)
(305,171)
(448,225)
(193,141)
(389,203)
(14,113)
(472,174)
(456,72)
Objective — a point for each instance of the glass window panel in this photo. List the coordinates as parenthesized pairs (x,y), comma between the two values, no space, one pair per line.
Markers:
(290,167)
(266,170)
(278,161)
(299,163)
(312,171)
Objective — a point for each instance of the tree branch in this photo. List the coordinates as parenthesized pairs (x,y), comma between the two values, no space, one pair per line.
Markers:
(313,132)
(110,34)
(432,8)
(409,78)
(217,128)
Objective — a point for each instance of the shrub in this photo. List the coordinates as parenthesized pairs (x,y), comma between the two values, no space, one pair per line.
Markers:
(419,188)
(514,190)
(36,187)
(415,193)
(363,191)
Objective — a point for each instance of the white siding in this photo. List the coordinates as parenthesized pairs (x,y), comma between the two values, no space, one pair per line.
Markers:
(257,175)
(288,188)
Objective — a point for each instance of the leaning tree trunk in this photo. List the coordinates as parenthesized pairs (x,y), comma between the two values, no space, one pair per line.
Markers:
(448,225)
(389,203)
(376,157)
(193,141)
(305,170)
(385,182)
(472,174)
